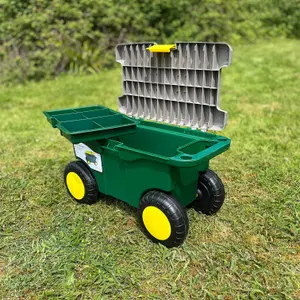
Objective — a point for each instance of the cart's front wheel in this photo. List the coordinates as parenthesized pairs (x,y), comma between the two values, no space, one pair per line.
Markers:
(163,218)
(80,183)
(210,193)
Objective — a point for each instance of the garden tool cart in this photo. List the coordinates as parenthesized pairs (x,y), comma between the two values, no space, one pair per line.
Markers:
(154,153)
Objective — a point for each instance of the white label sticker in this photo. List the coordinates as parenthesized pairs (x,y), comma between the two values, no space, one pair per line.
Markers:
(92,158)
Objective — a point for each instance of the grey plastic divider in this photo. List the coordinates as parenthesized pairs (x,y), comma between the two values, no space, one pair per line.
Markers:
(181,87)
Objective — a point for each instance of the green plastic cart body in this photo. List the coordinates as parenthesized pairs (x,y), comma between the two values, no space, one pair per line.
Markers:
(134,151)
(153,156)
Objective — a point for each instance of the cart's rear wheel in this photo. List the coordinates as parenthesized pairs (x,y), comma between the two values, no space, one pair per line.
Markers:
(210,193)
(80,183)
(163,218)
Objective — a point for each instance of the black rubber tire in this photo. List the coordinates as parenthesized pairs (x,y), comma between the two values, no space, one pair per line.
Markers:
(211,193)
(91,192)
(173,210)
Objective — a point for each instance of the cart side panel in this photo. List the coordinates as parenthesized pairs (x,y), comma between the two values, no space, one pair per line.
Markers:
(144,175)
(111,180)
(129,180)
(185,181)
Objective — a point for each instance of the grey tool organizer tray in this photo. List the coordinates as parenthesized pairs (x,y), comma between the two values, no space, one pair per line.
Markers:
(177,84)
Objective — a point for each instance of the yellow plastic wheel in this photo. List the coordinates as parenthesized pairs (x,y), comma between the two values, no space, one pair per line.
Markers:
(163,218)
(157,223)
(81,183)
(75,185)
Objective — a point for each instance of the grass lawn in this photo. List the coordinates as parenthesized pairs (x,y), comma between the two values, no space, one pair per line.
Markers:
(53,248)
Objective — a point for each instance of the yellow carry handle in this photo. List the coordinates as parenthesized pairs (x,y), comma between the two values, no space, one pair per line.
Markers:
(162,48)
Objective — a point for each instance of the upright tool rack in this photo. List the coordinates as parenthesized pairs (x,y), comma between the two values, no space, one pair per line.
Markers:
(155,167)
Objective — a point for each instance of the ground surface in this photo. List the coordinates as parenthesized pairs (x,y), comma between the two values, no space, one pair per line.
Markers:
(51,247)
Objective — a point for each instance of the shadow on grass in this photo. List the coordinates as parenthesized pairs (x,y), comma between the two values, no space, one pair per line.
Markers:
(111,201)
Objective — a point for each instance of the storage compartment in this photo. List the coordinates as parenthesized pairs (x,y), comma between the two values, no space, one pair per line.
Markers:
(98,113)
(79,126)
(114,121)
(90,123)
(196,147)
(165,143)
(82,113)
